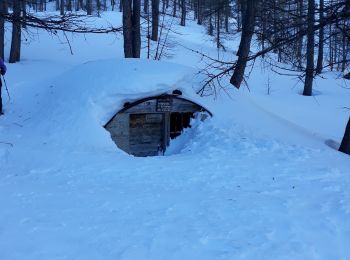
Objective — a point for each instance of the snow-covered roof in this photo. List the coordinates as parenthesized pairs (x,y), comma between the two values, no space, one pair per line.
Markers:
(88,102)
(108,84)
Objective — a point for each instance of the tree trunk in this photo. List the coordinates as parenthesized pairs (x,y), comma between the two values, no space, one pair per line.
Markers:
(15,53)
(264,19)
(24,12)
(131,28)
(310,66)
(319,65)
(136,35)
(89,7)
(183,13)
(345,144)
(174,8)
(62,7)
(218,43)
(239,16)
(200,13)
(98,6)
(155,20)
(244,46)
(69,5)
(345,50)
(330,51)
(227,16)
(127,28)
(41,6)
(3,11)
(210,25)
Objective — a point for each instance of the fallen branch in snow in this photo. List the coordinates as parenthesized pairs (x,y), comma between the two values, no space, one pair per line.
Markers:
(17,124)
(10,144)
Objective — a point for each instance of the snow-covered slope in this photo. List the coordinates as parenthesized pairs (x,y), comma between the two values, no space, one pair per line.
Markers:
(256,181)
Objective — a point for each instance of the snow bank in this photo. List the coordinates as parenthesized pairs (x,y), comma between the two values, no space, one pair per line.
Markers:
(83,99)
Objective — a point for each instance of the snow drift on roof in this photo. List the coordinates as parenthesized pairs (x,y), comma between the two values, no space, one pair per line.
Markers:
(81,105)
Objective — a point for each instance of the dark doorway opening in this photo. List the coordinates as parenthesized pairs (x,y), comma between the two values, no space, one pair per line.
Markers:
(179,121)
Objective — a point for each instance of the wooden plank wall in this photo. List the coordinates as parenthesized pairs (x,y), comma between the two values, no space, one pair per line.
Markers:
(119,130)
(146,134)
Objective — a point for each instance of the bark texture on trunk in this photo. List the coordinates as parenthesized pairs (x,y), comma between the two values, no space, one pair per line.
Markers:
(155,20)
(244,46)
(131,28)
(136,31)
(174,8)
(310,66)
(89,7)
(3,11)
(183,13)
(127,28)
(15,52)
(61,7)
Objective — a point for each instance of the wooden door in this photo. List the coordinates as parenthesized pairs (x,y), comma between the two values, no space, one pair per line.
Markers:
(147,134)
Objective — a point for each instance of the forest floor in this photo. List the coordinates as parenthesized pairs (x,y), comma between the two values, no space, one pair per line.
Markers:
(260,180)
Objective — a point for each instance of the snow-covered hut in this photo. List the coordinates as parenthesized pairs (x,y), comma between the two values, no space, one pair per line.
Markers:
(129,101)
(145,126)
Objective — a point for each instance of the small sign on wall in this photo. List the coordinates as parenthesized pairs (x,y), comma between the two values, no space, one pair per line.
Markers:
(164,105)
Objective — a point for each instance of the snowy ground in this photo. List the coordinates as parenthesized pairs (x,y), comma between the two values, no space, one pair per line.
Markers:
(259,180)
